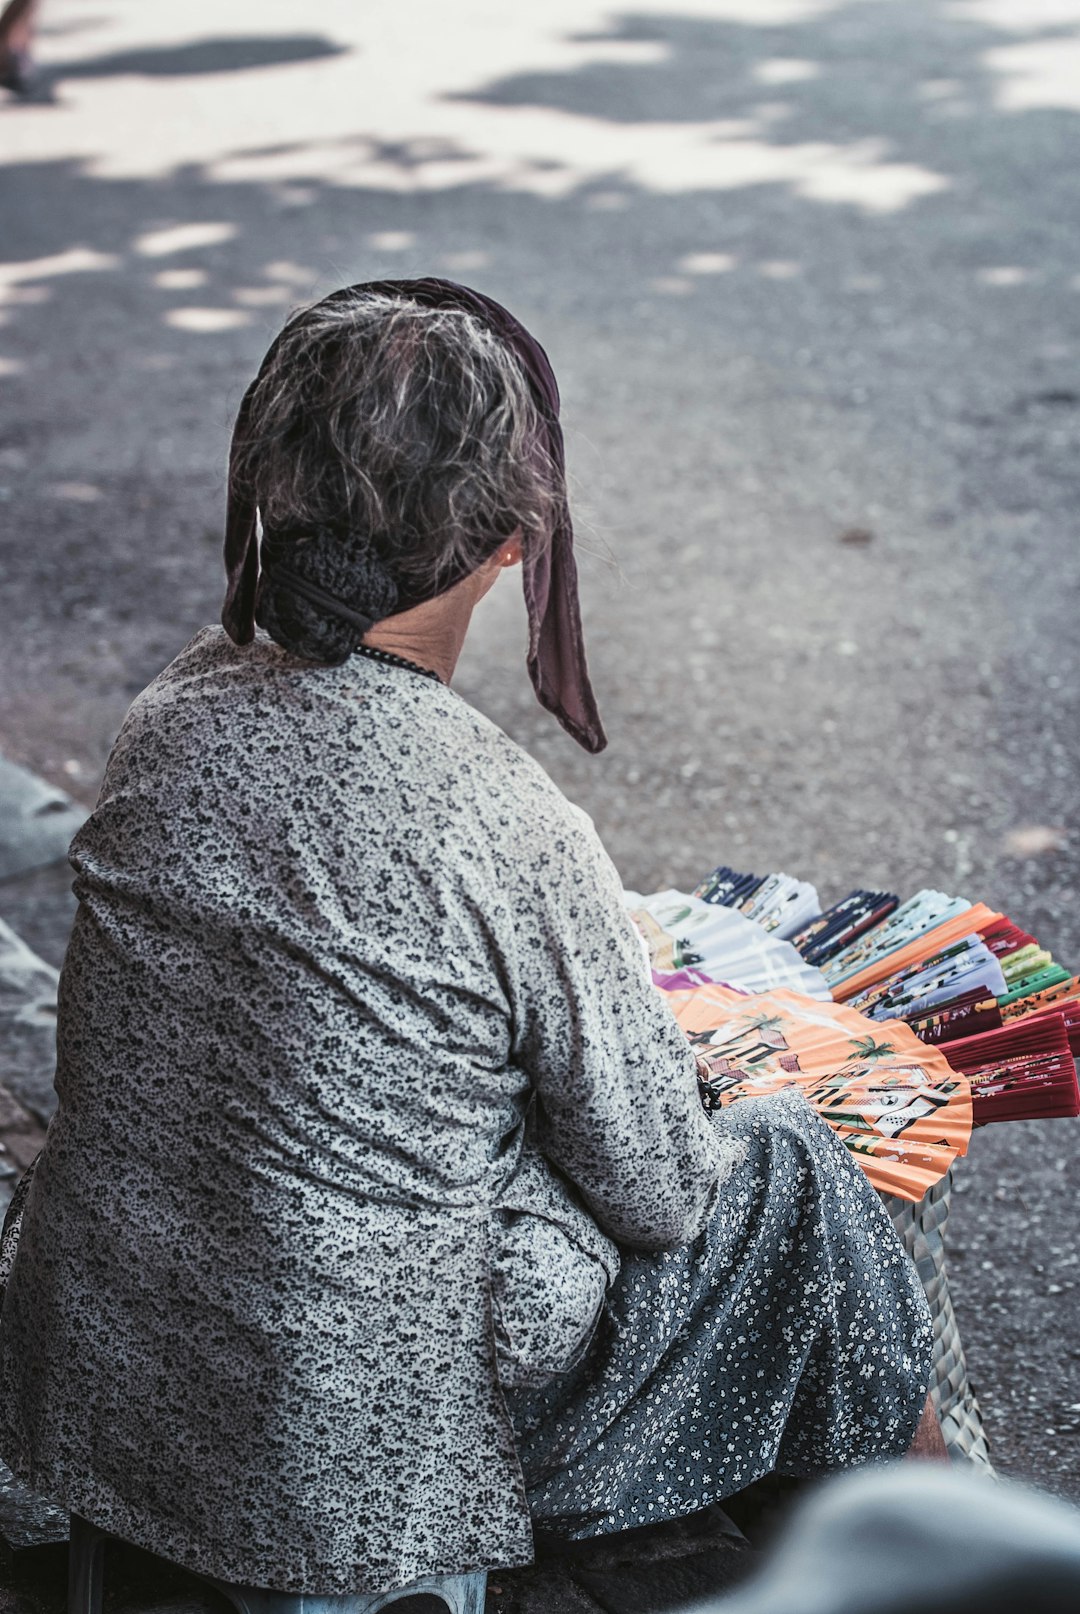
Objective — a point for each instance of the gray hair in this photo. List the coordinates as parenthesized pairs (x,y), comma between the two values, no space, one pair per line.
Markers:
(412,430)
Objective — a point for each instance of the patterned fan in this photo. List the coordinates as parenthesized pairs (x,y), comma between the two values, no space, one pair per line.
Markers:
(894,1101)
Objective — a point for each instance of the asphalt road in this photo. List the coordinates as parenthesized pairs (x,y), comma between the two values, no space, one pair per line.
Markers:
(809,275)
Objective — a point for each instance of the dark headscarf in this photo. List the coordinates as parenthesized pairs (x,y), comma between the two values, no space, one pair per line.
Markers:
(556,655)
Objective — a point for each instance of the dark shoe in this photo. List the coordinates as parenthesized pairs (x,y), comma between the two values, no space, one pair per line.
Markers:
(20,77)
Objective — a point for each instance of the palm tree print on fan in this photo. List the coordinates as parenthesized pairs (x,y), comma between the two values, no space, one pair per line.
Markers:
(868,1048)
(894,1101)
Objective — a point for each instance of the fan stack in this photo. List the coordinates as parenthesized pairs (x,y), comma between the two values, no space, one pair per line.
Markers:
(959,975)
(904,1023)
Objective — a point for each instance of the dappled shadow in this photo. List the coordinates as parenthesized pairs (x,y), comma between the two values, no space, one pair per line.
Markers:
(840,103)
(837,197)
(817,78)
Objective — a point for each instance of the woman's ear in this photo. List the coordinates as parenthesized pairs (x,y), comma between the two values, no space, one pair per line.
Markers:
(507,554)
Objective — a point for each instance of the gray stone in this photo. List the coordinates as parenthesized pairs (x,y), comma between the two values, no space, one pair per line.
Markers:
(21,1138)
(27,1025)
(37,821)
(642,1571)
(41,906)
(26,1519)
(537,1589)
(671,1583)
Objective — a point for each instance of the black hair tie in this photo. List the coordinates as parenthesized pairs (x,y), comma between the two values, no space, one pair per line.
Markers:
(284,575)
(310,564)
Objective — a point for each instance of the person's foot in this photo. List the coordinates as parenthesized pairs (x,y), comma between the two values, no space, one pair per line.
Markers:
(20,77)
(16,71)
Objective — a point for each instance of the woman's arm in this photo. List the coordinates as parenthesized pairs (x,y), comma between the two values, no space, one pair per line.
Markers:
(614,1077)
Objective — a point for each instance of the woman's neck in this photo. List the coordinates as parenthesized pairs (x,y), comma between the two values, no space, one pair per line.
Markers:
(431,634)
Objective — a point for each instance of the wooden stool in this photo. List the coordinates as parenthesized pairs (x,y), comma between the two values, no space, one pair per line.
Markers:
(462,1594)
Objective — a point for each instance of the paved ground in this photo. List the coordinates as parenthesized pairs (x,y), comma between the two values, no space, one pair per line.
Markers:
(808,272)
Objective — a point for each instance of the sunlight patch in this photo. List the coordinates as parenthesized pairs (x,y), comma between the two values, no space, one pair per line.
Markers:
(1042,73)
(262,296)
(25,295)
(391,240)
(1005,274)
(707,263)
(462,262)
(294,195)
(1017,16)
(767,112)
(206,320)
(607,201)
(77,492)
(1034,840)
(294,274)
(180,279)
(756,13)
(77,260)
(182,238)
(785,70)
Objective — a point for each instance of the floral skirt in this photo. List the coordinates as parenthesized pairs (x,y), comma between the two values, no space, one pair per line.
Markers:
(792,1335)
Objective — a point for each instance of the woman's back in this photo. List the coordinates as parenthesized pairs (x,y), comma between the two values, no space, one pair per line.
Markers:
(345,962)
(306,870)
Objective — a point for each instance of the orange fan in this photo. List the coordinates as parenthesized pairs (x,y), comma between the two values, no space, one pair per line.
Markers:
(894,1101)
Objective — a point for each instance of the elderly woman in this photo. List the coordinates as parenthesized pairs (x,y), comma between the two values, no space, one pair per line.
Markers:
(380,1217)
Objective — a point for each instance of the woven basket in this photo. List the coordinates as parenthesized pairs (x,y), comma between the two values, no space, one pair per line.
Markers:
(922,1228)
